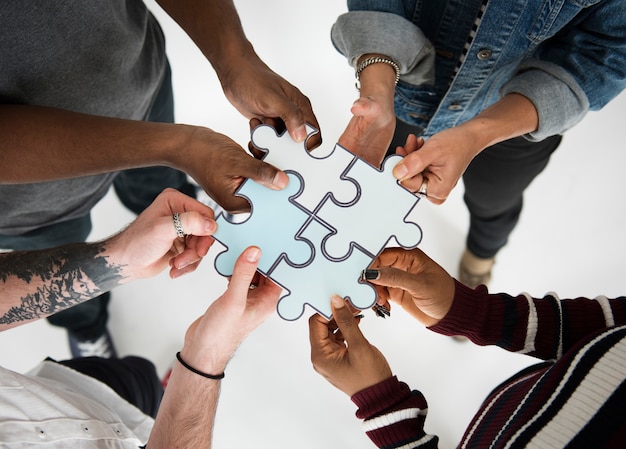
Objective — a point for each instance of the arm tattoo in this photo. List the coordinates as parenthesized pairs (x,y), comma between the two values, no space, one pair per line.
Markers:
(57,278)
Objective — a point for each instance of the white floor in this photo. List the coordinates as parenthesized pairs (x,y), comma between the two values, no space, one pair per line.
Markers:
(570,240)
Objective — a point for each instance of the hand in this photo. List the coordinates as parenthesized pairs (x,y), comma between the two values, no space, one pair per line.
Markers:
(220,165)
(371,128)
(442,159)
(150,243)
(414,281)
(211,340)
(341,354)
(446,155)
(258,92)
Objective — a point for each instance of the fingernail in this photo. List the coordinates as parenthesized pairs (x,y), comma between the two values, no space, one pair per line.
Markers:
(253,254)
(370,275)
(337,301)
(378,312)
(210,226)
(360,316)
(299,134)
(400,171)
(381,311)
(281,180)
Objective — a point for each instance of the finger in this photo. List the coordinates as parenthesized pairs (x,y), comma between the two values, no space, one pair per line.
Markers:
(193,223)
(394,278)
(296,116)
(344,318)
(436,193)
(411,166)
(178,272)
(243,272)
(265,174)
(200,244)
(262,286)
(319,333)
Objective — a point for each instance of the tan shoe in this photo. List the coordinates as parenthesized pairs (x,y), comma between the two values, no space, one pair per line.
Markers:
(475,271)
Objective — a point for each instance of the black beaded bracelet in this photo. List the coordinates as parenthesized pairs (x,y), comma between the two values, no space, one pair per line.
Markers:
(195,371)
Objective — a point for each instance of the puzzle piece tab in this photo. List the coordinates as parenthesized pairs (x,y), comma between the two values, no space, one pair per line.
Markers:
(322,174)
(272,226)
(379,213)
(321,279)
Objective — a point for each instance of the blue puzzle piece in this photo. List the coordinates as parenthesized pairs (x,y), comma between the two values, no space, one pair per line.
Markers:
(272,225)
(378,215)
(315,284)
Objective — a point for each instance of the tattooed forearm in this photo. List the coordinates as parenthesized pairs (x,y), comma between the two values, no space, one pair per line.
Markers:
(44,282)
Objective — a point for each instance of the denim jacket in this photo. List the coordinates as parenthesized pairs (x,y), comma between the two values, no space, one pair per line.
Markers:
(566,56)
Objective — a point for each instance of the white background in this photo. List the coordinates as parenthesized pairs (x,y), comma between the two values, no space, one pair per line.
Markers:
(569,240)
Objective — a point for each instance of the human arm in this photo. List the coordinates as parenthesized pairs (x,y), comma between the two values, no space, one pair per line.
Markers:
(360,35)
(443,158)
(35,284)
(42,144)
(340,352)
(248,83)
(187,412)
(573,65)
(542,327)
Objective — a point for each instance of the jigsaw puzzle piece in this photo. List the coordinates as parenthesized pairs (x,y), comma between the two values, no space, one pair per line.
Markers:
(272,226)
(314,284)
(322,173)
(378,215)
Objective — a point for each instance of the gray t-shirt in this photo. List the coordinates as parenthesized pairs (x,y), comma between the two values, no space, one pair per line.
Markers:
(101,57)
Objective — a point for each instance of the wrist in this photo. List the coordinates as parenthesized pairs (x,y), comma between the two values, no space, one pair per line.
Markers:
(180,149)
(513,116)
(377,75)
(212,359)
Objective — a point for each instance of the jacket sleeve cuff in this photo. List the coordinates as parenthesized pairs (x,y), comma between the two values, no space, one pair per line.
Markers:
(560,101)
(360,32)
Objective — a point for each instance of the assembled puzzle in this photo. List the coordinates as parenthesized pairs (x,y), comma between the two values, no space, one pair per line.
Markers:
(328,225)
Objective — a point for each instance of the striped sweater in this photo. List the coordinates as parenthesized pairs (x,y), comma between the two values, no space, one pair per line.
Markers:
(575,398)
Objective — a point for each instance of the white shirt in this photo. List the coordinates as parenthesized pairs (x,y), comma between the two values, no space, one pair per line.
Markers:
(54,406)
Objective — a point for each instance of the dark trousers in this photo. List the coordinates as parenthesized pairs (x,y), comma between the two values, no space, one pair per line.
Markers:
(133,378)
(494,186)
(136,189)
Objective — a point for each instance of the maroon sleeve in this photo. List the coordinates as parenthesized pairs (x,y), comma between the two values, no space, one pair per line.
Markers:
(394,415)
(544,328)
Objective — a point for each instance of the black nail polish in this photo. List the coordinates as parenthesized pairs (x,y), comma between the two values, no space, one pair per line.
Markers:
(379,311)
(371,275)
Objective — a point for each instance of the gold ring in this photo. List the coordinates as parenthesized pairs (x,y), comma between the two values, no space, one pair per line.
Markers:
(424,187)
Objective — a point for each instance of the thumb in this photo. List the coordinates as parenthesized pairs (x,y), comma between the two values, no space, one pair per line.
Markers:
(267,175)
(243,272)
(345,320)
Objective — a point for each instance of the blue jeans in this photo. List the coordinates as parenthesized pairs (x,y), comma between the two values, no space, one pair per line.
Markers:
(136,189)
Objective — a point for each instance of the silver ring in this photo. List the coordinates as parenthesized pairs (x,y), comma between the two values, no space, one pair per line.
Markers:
(179,227)
(423,188)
